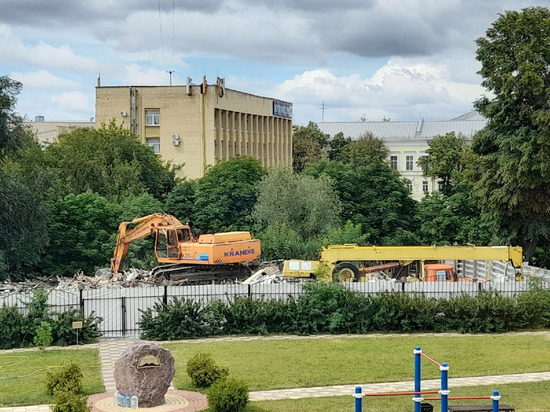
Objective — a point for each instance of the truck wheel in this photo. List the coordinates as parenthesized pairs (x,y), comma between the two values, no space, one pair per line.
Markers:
(345,272)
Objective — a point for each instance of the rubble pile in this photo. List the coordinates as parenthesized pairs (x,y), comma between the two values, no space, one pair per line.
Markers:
(266,273)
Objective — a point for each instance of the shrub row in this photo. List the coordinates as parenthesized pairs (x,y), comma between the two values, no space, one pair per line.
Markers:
(20,330)
(333,308)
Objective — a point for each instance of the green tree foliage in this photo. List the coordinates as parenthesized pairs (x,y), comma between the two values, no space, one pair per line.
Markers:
(375,197)
(364,150)
(308,144)
(513,179)
(13,134)
(279,241)
(337,144)
(453,219)
(81,234)
(446,156)
(180,201)
(109,161)
(24,221)
(226,194)
(349,233)
(306,204)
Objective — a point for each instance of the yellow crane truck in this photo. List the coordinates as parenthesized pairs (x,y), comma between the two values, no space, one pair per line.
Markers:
(352,263)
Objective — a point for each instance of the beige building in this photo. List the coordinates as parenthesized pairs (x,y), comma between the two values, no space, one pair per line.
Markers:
(408,142)
(46,132)
(198,125)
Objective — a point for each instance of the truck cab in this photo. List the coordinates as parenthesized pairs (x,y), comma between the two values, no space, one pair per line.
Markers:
(439,272)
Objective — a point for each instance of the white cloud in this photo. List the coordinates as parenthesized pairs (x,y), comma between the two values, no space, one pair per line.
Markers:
(74,101)
(401,90)
(43,80)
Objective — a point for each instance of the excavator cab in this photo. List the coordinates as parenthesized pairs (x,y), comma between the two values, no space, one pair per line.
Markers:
(169,239)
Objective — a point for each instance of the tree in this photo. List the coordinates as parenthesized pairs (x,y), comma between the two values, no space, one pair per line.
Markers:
(109,161)
(337,144)
(81,234)
(445,157)
(364,150)
(306,204)
(375,197)
(308,144)
(13,134)
(513,179)
(453,219)
(180,201)
(226,194)
(24,220)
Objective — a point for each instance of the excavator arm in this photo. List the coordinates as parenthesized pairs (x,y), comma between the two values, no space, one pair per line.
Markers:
(138,228)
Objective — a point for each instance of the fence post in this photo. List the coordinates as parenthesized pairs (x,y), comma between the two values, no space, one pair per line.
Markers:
(358,395)
(495,398)
(444,368)
(165,295)
(123,307)
(417,376)
(81,290)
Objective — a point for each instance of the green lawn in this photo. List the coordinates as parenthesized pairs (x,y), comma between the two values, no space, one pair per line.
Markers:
(524,397)
(290,363)
(274,364)
(23,374)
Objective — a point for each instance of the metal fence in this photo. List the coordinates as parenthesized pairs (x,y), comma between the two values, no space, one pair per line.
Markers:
(120,307)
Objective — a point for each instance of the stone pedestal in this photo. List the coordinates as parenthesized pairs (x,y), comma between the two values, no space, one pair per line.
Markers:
(145,370)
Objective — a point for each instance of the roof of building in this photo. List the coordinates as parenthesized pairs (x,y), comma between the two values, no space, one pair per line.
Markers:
(466,125)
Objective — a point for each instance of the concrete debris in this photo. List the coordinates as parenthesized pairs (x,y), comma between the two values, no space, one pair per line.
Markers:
(268,273)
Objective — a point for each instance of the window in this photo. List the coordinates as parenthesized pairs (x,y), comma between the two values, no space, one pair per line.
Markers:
(425,186)
(152,117)
(393,162)
(154,142)
(409,185)
(409,162)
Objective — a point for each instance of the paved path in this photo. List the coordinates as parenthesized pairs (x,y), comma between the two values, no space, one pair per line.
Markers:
(111,349)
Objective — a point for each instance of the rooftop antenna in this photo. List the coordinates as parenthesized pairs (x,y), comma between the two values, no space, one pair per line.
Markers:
(170,72)
(322,111)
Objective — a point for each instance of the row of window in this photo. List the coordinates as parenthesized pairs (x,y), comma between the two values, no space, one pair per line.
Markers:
(425,186)
(409,162)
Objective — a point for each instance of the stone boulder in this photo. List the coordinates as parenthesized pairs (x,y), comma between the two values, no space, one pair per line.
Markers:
(145,370)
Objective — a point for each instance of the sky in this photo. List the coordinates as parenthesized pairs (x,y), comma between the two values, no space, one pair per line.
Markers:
(336,61)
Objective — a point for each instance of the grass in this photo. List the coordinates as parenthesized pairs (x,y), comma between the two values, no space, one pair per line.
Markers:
(289,363)
(524,397)
(23,374)
(286,363)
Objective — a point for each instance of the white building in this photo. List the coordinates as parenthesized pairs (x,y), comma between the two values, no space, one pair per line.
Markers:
(408,142)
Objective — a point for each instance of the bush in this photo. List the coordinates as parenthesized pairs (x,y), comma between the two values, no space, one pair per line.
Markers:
(180,319)
(228,395)
(203,371)
(70,402)
(11,324)
(68,379)
(64,334)
(43,336)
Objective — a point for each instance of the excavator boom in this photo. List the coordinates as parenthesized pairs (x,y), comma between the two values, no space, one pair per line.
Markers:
(145,226)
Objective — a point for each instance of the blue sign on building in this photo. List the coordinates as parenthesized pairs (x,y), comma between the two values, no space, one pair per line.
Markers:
(282,109)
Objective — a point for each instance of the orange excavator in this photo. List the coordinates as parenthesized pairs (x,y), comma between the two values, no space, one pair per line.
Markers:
(187,257)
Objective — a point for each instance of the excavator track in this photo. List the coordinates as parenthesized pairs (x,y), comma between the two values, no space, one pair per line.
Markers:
(199,274)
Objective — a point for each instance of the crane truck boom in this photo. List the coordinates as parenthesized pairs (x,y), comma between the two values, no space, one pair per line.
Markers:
(350,262)
(191,258)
